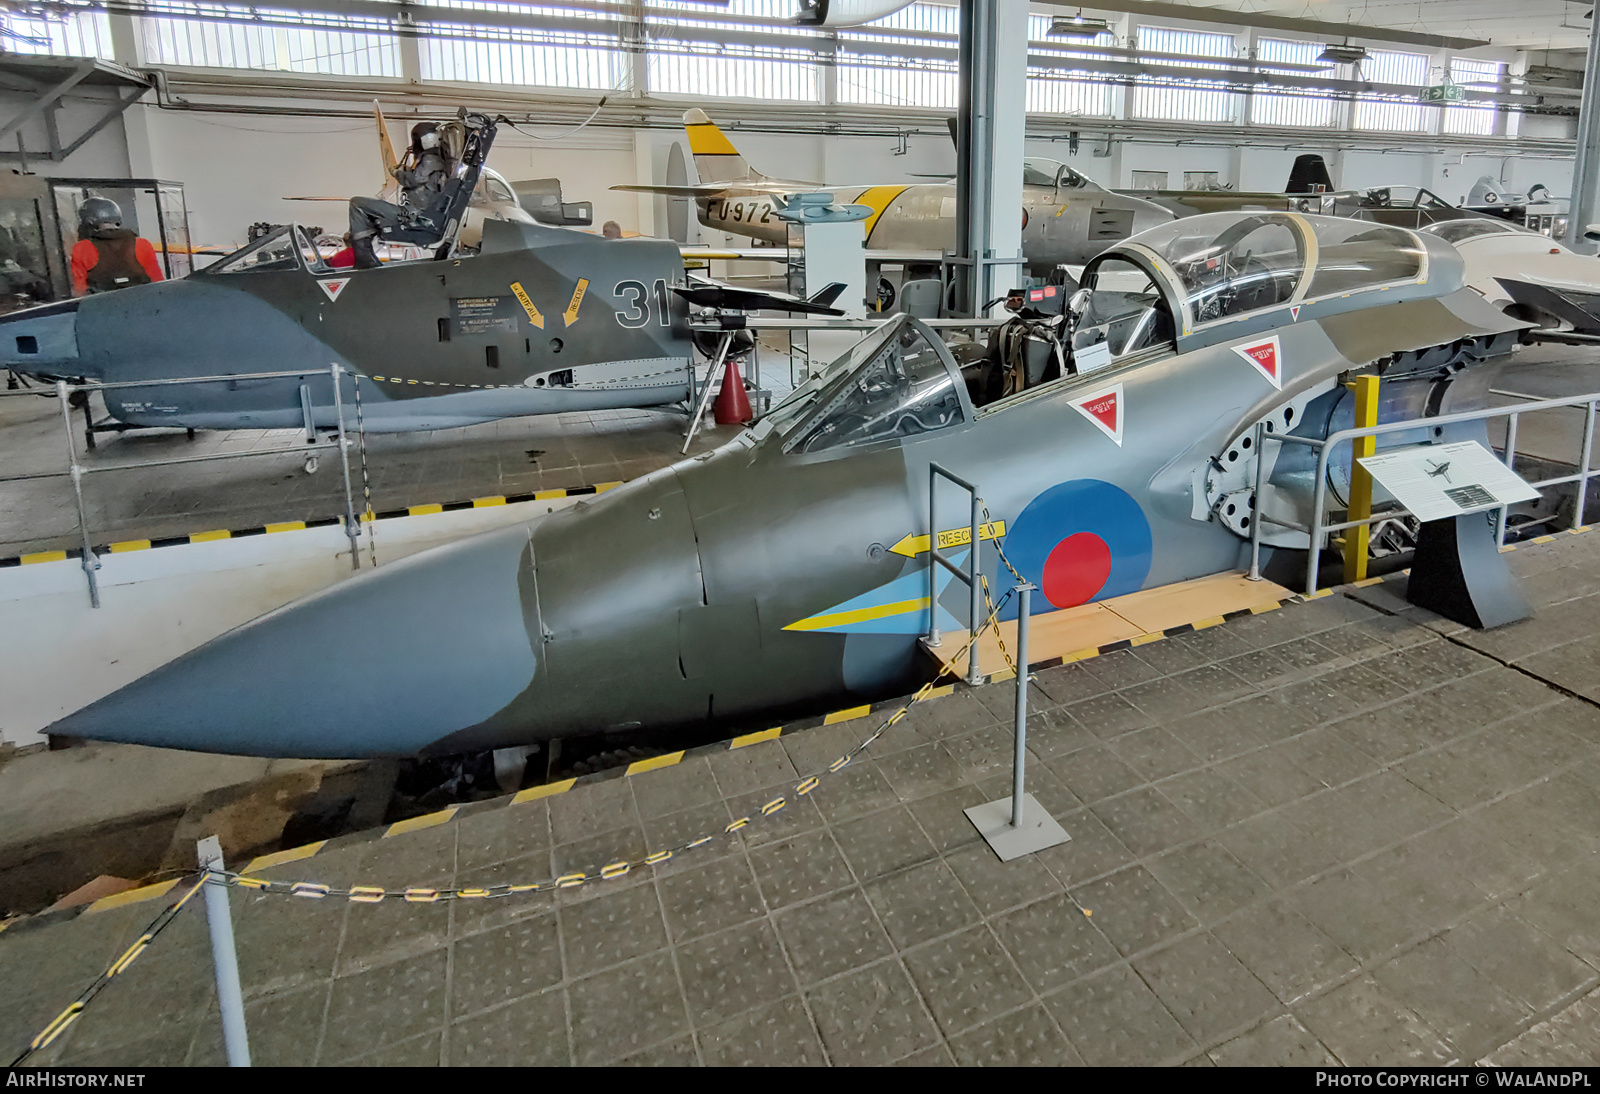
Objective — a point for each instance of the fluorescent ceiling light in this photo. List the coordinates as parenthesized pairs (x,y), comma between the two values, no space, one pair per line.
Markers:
(1076,27)
(1343,55)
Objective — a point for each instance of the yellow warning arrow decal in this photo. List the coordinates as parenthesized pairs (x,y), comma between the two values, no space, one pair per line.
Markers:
(571,314)
(534,315)
(912,546)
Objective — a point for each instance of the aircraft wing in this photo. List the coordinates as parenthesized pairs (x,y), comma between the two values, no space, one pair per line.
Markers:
(709,190)
(780,254)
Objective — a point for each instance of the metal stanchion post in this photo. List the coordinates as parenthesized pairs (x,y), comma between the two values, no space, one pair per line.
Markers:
(1020,750)
(1255,502)
(90,562)
(352,529)
(225,958)
(1018,825)
(975,612)
(933,562)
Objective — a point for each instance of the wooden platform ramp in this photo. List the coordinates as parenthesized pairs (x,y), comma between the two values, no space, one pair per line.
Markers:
(1075,633)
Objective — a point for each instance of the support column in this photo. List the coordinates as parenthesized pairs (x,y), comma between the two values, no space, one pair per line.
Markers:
(1586,164)
(991,121)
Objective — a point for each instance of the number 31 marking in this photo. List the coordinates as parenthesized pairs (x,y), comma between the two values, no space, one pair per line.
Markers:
(640,298)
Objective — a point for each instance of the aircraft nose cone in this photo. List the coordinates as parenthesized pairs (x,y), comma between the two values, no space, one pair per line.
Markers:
(382,664)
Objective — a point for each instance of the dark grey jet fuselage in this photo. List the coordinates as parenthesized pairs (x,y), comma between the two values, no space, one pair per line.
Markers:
(779,574)
(541,321)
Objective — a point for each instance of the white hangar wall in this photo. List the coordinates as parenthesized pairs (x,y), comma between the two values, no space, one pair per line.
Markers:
(237,168)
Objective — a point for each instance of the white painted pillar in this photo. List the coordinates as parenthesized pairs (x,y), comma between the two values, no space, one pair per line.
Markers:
(1010,126)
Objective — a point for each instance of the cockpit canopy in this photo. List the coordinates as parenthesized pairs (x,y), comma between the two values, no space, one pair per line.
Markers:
(1043,172)
(287,247)
(1459,231)
(1227,265)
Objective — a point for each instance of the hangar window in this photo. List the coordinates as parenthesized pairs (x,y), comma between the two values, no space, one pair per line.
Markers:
(905,386)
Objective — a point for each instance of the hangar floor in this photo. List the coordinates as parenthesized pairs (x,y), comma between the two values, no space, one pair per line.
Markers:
(1342,831)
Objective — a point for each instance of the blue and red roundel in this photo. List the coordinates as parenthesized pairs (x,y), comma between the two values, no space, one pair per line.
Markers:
(1080,541)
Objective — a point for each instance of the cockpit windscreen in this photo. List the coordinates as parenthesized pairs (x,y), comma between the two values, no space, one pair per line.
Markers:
(904,388)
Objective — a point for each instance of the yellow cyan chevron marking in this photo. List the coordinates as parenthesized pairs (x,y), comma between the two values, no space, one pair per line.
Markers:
(912,546)
(132,896)
(570,316)
(705,139)
(846,715)
(878,199)
(858,615)
(756,738)
(534,793)
(639,767)
(278,858)
(526,301)
(415,824)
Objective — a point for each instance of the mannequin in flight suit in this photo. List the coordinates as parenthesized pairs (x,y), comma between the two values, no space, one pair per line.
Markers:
(108,256)
(422,175)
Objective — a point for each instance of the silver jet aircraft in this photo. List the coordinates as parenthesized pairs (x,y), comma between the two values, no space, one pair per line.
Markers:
(771,577)
(1066,219)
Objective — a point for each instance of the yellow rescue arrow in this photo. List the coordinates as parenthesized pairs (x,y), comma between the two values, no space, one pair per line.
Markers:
(571,314)
(534,315)
(912,546)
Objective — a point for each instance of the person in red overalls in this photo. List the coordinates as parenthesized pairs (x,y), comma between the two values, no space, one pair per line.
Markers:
(107,255)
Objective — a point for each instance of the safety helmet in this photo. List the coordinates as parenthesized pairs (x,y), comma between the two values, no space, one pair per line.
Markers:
(99,214)
(425,136)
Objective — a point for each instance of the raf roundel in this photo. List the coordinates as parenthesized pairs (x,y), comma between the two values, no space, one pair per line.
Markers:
(1081,541)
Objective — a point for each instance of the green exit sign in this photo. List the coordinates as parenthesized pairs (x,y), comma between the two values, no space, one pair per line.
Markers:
(1443,93)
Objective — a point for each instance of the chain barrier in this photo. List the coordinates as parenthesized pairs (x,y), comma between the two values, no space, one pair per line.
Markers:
(374,894)
(116,968)
(368,517)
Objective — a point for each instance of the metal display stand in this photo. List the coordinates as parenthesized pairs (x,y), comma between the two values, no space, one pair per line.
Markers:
(1018,825)
(1459,572)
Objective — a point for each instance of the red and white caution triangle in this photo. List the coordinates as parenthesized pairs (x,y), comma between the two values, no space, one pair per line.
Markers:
(1104,409)
(1267,356)
(333,286)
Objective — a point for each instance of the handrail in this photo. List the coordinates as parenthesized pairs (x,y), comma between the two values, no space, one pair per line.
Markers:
(1319,528)
(974,579)
(76,471)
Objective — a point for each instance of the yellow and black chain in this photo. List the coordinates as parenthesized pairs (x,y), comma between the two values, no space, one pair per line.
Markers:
(373,894)
(368,518)
(988,600)
(57,1027)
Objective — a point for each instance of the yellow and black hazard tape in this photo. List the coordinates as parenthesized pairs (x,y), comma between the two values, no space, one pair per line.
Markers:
(639,767)
(300,525)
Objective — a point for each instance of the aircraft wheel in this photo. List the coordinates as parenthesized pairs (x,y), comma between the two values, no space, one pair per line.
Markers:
(886,294)
(311,465)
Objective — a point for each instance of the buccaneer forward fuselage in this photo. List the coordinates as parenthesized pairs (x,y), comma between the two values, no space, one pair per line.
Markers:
(781,573)
(543,320)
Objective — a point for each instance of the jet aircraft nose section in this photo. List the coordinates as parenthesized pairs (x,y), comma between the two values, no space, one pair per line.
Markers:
(41,341)
(381,664)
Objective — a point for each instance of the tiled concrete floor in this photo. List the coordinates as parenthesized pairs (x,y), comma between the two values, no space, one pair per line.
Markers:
(1323,834)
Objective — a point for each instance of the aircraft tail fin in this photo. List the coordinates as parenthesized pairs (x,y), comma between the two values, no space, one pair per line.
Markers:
(385,145)
(715,157)
(1309,175)
(826,295)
